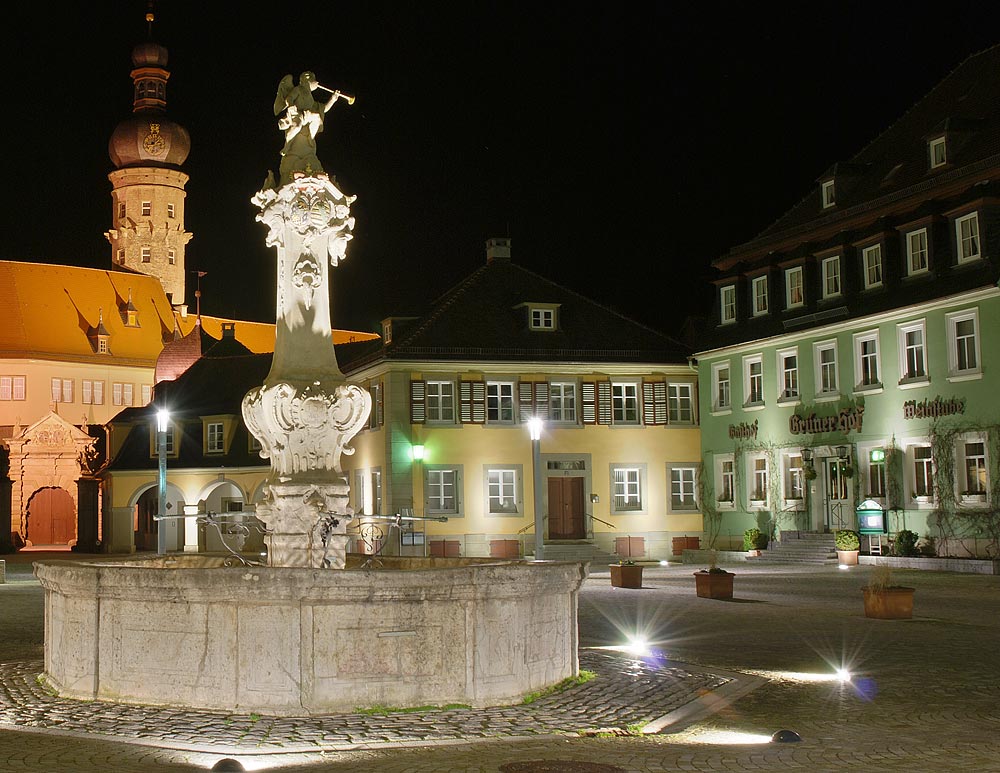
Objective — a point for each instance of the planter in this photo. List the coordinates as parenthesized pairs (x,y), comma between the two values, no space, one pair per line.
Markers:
(714,585)
(847,557)
(889,603)
(753,554)
(626,576)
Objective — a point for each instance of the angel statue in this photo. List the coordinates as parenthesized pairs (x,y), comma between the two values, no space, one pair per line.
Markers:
(301,122)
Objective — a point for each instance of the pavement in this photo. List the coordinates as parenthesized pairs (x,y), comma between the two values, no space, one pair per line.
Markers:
(719,679)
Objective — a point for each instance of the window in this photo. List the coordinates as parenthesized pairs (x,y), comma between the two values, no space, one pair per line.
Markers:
(146,255)
(829,198)
(11,387)
(121,256)
(171,257)
(876,473)
(963,343)
(542,318)
(967,236)
(126,394)
(682,488)
(680,404)
(92,392)
(753,381)
(502,490)
(788,372)
(794,295)
(170,211)
(147,394)
(912,354)
(916,252)
(358,489)
(499,402)
(759,295)
(562,402)
(872,259)
(62,390)
(720,387)
(121,394)
(725,477)
(147,208)
(214,437)
(825,357)
(376,478)
(727,303)
(440,401)
(867,365)
(758,482)
(938,152)
(831,277)
(975,481)
(121,210)
(624,403)
(793,479)
(442,490)
(627,488)
(923,472)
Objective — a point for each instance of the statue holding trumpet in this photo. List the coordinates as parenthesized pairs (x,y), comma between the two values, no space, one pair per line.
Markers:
(301,117)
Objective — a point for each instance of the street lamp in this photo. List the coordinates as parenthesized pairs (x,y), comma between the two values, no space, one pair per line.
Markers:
(535,425)
(162,422)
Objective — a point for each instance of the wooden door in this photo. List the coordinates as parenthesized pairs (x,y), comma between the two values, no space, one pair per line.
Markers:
(566,508)
(51,517)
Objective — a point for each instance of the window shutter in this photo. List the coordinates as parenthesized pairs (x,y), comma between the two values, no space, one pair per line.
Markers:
(418,402)
(465,401)
(542,400)
(526,400)
(588,402)
(603,402)
(379,406)
(654,403)
(478,402)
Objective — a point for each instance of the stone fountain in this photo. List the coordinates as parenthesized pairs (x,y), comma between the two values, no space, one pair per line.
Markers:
(316,630)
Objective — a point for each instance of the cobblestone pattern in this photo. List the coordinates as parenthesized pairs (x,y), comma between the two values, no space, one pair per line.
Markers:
(626,693)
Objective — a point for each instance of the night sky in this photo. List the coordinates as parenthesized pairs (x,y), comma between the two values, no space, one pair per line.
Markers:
(621,146)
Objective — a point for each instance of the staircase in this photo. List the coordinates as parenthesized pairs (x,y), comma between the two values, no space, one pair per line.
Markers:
(800,547)
(579,550)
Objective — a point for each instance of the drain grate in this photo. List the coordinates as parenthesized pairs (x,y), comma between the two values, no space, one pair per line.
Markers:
(558,766)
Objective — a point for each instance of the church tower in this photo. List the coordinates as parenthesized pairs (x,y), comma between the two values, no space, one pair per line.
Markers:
(148,195)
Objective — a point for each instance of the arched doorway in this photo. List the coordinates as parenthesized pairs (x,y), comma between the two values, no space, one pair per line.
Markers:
(145,525)
(51,517)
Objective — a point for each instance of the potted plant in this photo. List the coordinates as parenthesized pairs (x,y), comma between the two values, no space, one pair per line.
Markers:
(754,541)
(885,601)
(626,574)
(848,544)
(714,582)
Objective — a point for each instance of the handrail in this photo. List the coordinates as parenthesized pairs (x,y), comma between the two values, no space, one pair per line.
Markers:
(595,518)
(531,525)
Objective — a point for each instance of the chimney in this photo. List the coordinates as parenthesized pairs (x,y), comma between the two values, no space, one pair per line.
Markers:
(497,249)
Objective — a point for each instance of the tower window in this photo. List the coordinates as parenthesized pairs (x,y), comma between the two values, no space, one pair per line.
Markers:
(171,257)
(146,255)
(121,210)
(170,211)
(147,208)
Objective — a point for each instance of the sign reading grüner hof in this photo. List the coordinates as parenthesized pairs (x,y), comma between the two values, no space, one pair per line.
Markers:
(931,409)
(847,420)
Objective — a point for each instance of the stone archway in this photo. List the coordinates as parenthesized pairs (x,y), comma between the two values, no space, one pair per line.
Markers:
(50,517)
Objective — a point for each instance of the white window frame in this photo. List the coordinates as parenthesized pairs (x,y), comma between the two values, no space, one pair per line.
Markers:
(147,393)
(937,149)
(562,402)
(116,392)
(860,357)
(829,194)
(867,470)
(759,293)
(542,318)
(727,304)
(955,371)
(753,393)
(503,483)
(127,391)
(438,480)
(725,476)
(500,402)
(215,437)
(439,401)
(789,383)
(722,401)
(795,294)
(683,481)
(823,389)
(921,250)
(966,495)
(146,209)
(758,481)
(146,255)
(171,257)
(832,279)
(6,388)
(170,211)
(920,471)
(625,409)
(906,378)
(793,478)
(968,247)
(680,403)
(628,489)
(871,263)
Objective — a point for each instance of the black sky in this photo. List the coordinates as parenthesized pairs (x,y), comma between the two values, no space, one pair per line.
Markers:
(622,146)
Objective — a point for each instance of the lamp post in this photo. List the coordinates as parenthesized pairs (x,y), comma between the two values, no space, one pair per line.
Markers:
(162,422)
(535,431)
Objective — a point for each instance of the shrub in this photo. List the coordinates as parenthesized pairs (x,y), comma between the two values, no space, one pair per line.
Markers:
(847,539)
(906,543)
(750,537)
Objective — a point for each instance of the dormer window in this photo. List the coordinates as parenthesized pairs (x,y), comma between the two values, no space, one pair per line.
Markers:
(387,331)
(829,198)
(759,295)
(543,316)
(938,150)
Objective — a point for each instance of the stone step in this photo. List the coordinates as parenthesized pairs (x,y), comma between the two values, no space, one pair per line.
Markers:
(801,547)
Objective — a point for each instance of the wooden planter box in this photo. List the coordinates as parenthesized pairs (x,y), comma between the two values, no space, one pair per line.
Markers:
(714,585)
(889,604)
(847,557)
(626,576)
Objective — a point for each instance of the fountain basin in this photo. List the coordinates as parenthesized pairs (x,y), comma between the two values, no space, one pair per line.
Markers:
(189,631)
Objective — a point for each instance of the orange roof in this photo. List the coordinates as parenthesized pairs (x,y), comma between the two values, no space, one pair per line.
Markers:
(258,337)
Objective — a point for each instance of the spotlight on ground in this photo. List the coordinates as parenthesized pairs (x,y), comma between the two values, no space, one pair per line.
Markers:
(843,567)
(637,647)
(785,736)
(664,563)
(843,675)
(228,765)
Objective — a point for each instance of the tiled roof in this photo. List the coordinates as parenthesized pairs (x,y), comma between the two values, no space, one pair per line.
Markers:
(895,165)
(485,317)
(258,337)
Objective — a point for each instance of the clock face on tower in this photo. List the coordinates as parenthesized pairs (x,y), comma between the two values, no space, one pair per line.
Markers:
(154,144)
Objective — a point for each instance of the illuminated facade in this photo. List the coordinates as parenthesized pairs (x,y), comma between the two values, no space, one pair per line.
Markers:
(849,355)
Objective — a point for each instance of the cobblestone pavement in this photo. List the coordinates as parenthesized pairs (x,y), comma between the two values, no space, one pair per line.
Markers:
(924,693)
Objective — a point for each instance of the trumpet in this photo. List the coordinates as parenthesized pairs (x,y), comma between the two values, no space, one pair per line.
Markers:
(341,94)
